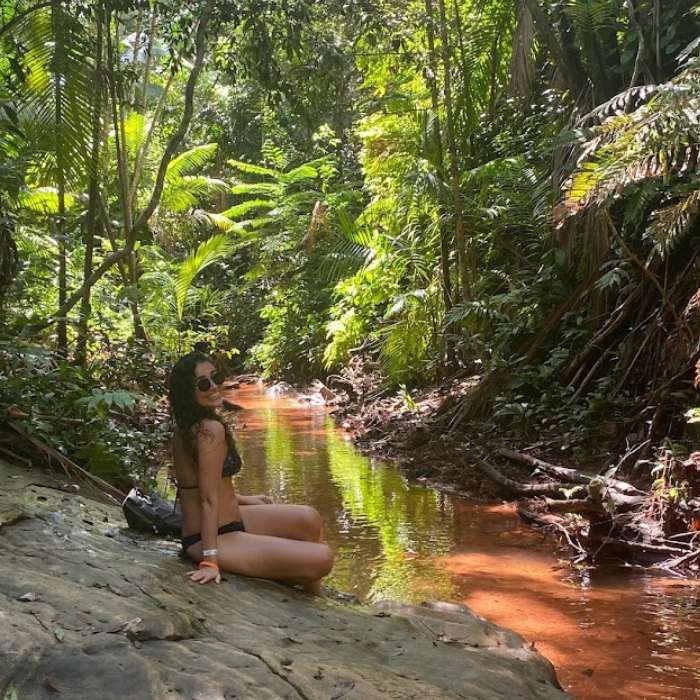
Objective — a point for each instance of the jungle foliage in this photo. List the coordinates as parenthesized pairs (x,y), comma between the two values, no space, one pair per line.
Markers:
(488,187)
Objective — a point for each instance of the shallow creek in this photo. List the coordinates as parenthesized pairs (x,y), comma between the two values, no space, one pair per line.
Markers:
(612,633)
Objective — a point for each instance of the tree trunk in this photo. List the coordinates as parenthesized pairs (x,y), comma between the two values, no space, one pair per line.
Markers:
(60,220)
(435,102)
(464,276)
(90,226)
(118,98)
(574,77)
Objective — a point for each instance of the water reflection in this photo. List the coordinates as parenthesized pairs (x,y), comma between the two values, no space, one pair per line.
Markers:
(407,522)
(610,634)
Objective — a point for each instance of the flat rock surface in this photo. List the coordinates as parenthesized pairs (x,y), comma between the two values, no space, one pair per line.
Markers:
(89,609)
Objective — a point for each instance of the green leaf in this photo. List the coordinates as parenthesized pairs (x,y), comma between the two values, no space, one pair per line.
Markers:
(264,188)
(303,172)
(253,169)
(246,207)
(190,161)
(44,200)
(213,249)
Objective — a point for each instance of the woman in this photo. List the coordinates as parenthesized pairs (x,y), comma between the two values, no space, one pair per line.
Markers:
(222,530)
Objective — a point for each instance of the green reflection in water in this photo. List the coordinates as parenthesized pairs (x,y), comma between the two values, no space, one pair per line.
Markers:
(407,523)
(282,470)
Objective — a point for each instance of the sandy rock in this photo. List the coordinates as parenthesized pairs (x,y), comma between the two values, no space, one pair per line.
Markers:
(113,615)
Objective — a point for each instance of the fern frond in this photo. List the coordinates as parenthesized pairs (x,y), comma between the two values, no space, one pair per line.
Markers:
(43,200)
(671,223)
(183,193)
(252,169)
(300,174)
(208,252)
(246,207)
(190,161)
(216,220)
(257,188)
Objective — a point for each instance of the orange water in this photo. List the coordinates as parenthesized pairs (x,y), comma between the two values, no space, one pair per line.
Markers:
(613,633)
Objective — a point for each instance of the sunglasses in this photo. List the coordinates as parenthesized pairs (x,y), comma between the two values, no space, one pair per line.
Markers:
(206,383)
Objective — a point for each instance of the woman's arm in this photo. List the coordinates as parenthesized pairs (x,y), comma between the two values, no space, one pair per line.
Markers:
(259,500)
(211,453)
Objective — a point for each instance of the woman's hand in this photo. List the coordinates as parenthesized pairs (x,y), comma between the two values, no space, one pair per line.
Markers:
(204,575)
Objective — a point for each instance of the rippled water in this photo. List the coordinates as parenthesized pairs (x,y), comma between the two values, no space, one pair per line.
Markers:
(610,634)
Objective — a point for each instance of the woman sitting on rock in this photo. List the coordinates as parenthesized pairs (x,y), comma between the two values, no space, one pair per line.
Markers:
(222,530)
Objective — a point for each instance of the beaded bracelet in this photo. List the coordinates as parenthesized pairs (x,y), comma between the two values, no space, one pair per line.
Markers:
(211,564)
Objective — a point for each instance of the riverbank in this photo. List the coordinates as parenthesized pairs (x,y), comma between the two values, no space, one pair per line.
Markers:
(639,505)
(92,609)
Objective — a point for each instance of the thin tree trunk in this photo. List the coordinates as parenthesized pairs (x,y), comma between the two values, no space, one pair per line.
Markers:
(640,64)
(119,120)
(435,102)
(464,276)
(149,61)
(60,221)
(574,78)
(90,226)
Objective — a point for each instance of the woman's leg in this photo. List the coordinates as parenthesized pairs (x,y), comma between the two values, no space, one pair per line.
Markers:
(274,558)
(290,521)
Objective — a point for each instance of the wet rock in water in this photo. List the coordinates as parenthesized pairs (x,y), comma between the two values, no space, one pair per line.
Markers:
(113,616)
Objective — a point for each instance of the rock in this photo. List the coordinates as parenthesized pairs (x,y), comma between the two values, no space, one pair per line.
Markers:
(280,389)
(115,617)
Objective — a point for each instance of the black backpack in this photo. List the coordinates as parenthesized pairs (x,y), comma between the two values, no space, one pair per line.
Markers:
(152,513)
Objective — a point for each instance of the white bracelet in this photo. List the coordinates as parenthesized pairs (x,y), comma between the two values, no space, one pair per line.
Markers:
(210,552)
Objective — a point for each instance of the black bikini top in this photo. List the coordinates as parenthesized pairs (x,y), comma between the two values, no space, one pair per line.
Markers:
(232,465)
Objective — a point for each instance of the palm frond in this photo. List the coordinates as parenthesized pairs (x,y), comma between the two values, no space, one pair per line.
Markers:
(191,161)
(183,193)
(208,252)
(300,174)
(669,224)
(252,169)
(215,220)
(43,200)
(658,141)
(244,208)
(54,99)
(257,188)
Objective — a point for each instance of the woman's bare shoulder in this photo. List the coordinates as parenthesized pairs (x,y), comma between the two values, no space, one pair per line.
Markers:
(211,431)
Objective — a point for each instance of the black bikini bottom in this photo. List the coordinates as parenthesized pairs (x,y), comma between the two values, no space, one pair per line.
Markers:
(235,526)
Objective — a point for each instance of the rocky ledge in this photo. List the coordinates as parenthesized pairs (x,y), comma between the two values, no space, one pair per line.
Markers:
(89,609)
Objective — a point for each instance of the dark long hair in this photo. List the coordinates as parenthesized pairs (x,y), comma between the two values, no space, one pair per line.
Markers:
(186,411)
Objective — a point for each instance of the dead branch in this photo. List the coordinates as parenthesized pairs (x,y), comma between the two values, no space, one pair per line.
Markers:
(552,488)
(671,564)
(573,476)
(70,467)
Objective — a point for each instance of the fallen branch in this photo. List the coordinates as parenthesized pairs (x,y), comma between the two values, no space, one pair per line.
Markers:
(643,546)
(16,457)
(547,521)
(70,467)
(670,564)
(573,476)
(581,506)
(552,488)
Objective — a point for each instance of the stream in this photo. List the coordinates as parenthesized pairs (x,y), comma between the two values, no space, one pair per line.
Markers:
(610,632)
